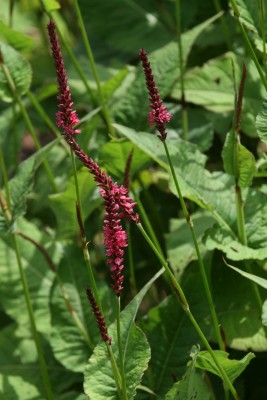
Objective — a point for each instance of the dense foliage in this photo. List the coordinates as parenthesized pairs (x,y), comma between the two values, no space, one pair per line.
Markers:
(209,63)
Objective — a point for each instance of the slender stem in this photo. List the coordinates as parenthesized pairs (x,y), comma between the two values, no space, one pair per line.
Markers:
(84,242)
(74,61)
(263,34)
(121,357)
(28,123)
(94,70)
(200,261)
(36,104)
(42,363)
(5,178)
(185,306)
(181,67)
(131,260)
(147,222)
(115,370)
(43,367)
(248,43)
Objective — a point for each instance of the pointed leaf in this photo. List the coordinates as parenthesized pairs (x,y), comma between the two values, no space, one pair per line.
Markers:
(20,72)
(261,122)
(254,278)
(233,368)
(99,382)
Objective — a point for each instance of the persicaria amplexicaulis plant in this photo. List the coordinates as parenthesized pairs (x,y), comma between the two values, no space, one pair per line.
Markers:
(158,114)
(98,316)
(118,204)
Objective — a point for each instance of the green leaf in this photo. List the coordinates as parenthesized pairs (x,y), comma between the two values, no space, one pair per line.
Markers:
(64,204)
(99,383)
(261,122)
(192,386)
(220,239)
(254,278)
(197,183)
(237,308)
(70,346)
(246,166)
(233,368)
(50,5)
(211,86)
(130,110)
(180,249)
(170,347)
(264,313)
(20,71)
(14,38)
(22,184)
(113,156)
(20,378)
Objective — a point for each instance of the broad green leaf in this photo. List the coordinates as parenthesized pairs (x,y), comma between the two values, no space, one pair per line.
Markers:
(22,184)
(254,278)
(38,274)
(114,155)
(20,72)
(212,86)
(197,183)
(246,166)
(237,308)
(216,238)
(264,313)
(98,378)
(22,380)
(70,346)
(180,249)
(14,38)
(64,204)
(50,5)
(233,368)
(170,348)
(133,107)
(192,386)
(261,122)
(250,17)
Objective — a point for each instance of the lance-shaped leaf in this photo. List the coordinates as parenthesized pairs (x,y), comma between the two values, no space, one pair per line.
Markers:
(261,122)
(99,383)
(238,161)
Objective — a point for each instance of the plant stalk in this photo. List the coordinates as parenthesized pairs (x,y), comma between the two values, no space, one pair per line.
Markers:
(121,357)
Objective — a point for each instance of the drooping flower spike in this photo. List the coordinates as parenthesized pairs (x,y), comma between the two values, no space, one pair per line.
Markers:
(100,320)
(118,204)
(158,114)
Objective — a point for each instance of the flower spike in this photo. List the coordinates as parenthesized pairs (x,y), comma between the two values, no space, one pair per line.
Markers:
(100,320)
(66,116)
(158,114)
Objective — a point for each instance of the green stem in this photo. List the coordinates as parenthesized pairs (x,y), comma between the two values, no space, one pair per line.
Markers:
(121,358)
(185,306)
(42,363)
(147,221)
(263,34)
(248,43)
(94,70)
(181,67)
(28,123)
(200,261)
(74,60)
(131,260)
(5,178)
(115,370)
(86,254)
(36,104)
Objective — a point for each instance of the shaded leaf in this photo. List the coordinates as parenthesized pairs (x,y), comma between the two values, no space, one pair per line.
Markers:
(20,72)
(99,382)
(254,278)
(264,313)
(233,368)
(261,122)
(14,38)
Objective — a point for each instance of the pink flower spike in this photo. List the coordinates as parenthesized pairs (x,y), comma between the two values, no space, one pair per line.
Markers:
(158,114)
(66,117)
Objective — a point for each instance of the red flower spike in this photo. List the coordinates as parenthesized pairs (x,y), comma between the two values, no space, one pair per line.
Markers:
(158,115)
(66,117)
(100,320)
